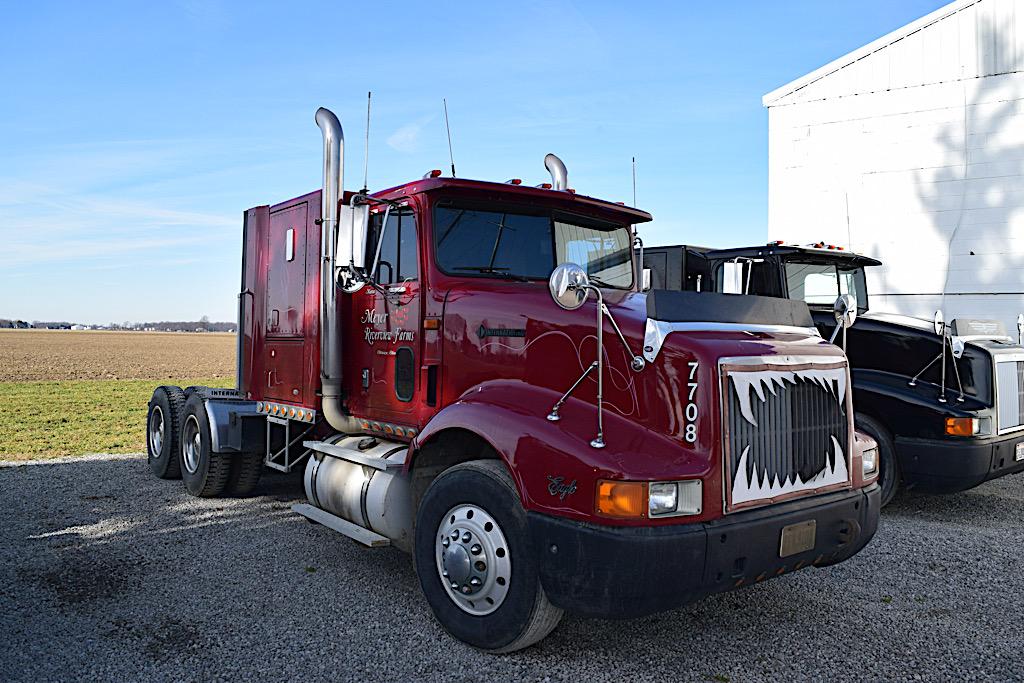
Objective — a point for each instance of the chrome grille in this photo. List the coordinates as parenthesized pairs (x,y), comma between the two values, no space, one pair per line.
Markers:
(792,446)
(1010,394)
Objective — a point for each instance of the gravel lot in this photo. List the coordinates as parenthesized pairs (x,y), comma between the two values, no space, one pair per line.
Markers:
(109,574)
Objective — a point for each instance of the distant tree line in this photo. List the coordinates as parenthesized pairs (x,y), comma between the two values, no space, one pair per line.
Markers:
(189,326)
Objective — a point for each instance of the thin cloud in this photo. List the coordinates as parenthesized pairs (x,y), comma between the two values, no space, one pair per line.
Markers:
(406,139)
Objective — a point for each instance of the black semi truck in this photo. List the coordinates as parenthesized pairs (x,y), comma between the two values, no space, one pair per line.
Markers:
(944,401)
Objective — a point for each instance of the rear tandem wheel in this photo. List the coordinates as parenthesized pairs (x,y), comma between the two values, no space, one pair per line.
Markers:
(163,426)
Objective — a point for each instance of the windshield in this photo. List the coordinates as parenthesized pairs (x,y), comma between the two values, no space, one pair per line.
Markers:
(819,284)
(529,245)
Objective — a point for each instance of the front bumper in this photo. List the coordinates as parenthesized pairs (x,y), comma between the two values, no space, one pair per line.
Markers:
(614,572)
(948,466)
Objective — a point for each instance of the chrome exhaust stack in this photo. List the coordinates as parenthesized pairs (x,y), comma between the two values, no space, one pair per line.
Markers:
(559,174)
(330,332)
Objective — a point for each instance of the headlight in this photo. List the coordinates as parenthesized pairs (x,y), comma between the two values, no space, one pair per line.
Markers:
(869,461)
(969,426)
(962,426)
(638,499)
(673,498)
(662,498)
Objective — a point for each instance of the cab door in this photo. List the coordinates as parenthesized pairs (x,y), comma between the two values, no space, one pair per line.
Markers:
(388,317)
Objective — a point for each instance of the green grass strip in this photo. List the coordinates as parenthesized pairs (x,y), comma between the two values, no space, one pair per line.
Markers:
(76,417)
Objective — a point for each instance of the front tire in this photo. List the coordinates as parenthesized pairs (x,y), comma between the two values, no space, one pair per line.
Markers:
(888,468)
(475,561)
(163,425)
(204,472)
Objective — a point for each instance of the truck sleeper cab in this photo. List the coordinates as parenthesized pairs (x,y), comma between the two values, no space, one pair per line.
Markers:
(941,400)
(471,372)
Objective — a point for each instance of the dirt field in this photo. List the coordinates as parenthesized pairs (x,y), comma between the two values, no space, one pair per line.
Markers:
(74,392)
(33,355)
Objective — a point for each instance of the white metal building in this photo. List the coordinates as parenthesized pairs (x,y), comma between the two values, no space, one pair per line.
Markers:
(911,150)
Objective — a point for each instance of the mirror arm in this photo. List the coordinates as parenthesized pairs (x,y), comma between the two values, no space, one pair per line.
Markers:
(835,332)
(553,416)
(956,370)
(637,363)
(942,388)
(638,243)
(380,243)
(598,441)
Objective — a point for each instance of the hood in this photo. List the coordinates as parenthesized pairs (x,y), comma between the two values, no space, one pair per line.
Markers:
(727,314)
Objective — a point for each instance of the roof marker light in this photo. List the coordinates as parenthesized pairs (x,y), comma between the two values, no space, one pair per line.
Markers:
(570,190)
(545,186)
(514,181)
(436,173)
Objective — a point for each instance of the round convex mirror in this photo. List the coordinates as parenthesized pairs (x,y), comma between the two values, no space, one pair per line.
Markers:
(568,286)
(845,310)
(938,322)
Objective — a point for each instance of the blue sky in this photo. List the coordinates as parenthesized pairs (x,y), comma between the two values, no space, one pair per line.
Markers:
(133,135)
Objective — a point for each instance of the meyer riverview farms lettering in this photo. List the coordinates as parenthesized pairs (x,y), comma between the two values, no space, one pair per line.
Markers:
(371,319)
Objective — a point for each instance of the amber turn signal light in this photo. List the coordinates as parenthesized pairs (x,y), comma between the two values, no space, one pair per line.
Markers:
(621,498)
(961,426)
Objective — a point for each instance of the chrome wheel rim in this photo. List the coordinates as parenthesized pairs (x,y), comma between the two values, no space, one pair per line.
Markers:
(156,432)
(191,444)
(473,559)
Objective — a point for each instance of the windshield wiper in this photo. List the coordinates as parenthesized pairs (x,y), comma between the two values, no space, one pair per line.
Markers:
(494,270)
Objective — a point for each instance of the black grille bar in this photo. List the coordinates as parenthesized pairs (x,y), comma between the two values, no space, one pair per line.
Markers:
(794,430)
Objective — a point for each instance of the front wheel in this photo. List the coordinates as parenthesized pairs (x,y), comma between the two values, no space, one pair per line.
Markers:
(888,468)
(475,562)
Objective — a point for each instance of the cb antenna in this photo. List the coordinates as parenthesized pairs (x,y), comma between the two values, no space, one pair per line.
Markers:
(366,149)
(449,129)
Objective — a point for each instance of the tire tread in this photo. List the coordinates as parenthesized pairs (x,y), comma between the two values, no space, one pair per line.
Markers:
(246,469)
(876,430)
(172,431)
(544,616)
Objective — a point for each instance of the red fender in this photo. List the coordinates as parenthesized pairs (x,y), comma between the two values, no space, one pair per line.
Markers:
(552,463)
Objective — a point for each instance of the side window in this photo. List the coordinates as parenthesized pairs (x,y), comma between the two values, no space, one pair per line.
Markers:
(604,254)
(398,254)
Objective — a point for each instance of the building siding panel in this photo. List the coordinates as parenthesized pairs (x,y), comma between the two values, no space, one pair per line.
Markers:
(918,160)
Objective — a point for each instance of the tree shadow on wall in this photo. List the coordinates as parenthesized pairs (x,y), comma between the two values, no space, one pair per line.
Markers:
(972,201)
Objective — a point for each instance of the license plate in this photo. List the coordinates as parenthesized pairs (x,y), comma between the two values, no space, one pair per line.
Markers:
(797,538)
(1018,452)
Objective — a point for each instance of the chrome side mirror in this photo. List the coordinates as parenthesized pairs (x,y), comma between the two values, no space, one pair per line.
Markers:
(938,323)
(568,286)
(350,258)
(1020,328)
(645,280)
(845,310)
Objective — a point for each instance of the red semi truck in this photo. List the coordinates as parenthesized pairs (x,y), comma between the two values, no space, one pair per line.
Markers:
(473,372)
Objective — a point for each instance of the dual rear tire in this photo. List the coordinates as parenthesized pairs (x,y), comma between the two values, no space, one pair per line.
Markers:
(179,446)
(163,430)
